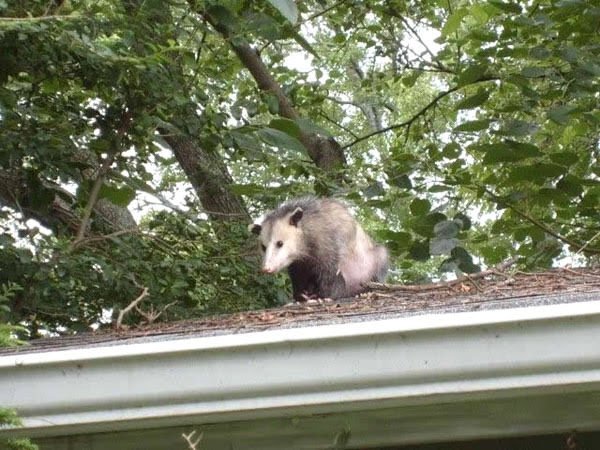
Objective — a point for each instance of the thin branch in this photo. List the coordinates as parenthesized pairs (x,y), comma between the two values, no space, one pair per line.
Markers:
(498,269)
(189,438)
(342,102)
(326,153)
(129,307)
(593,238)
(580,247)
(89,207)
(420,113)
(37,19)
(151,315)
(322,12)
(406,123)
(333,122)
(104,237)
(125,122)
(429,52)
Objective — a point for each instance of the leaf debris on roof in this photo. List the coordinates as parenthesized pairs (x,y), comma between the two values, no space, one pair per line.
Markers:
(497,290)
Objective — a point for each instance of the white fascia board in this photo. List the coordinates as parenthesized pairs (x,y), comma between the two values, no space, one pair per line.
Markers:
(394,363)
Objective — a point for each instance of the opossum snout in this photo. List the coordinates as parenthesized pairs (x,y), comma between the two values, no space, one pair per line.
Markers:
(267,270)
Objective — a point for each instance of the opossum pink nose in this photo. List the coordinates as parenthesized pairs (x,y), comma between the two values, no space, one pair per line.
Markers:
(267,270)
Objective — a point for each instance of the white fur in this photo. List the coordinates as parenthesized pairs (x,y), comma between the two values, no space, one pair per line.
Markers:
(362,263)
(278,258)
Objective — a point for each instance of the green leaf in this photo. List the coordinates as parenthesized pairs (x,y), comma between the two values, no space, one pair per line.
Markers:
(451,150)
(272,102)
(464,260)
(472,74)
(533,72)
(564,158)
(223,16)
(398,244)
(247,141)
(463,221)
(287,126)
(249,189)
(561,114)
(524,148)
(263,25)
(570,185)
(509,151)
(479,13)
(453,22)
(419,251)
(411,78)
(308,126)
(420,207)
(374,190)
(512,8)
(473,125)
(532,172)
(424,225)
(474,100)
(279,139)
(120,196)
(401,181)
(287,8)
(540,52)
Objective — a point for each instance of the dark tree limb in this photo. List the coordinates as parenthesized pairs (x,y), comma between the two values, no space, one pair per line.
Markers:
(59,214)
(326,153)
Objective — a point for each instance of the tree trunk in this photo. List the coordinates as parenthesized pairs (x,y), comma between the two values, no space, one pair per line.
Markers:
(209,176)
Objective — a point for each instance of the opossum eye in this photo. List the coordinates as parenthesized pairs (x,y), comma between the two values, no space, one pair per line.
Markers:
(279,244)
(263,247)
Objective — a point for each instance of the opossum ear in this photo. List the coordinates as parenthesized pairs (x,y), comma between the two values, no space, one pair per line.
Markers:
(254,228)
(296,216)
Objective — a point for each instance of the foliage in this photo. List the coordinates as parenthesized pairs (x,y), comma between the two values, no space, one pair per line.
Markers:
(8,332)
(469,134)
(10,418)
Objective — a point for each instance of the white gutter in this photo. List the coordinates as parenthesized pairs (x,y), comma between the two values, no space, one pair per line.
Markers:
(397,365)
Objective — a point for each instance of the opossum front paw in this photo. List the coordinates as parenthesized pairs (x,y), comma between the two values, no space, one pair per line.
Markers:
(318,300)
(307,298)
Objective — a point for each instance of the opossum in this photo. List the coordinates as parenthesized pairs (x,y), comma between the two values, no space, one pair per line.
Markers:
(326,252)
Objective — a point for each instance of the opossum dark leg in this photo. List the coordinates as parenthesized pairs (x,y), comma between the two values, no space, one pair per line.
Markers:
(304,280)
(331,285)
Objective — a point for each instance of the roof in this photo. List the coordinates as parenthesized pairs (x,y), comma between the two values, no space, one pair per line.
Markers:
(496,290)
(492,357)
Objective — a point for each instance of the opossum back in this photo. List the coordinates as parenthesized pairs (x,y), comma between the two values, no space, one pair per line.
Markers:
(328,227)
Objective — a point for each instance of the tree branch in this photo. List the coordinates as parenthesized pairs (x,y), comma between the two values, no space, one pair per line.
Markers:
(326,153)
(444,284)
(580,247)
(89,207)
(406,123)
(420,113)
(434,60)
(133,304)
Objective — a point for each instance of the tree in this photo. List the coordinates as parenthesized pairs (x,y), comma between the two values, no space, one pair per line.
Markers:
(464,133)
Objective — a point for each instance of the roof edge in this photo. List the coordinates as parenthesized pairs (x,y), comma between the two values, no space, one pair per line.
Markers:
(394,363)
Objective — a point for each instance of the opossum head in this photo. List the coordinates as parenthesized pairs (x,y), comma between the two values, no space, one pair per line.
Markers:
(281,240)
